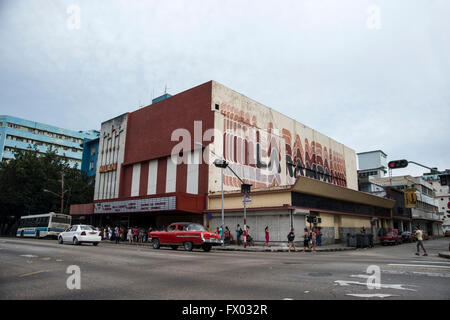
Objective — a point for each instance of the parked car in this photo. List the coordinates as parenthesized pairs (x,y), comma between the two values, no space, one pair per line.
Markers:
(391,237)
(186,234)
(80,233)
(407,236)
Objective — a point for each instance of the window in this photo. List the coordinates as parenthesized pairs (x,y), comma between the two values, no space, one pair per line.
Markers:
(91,165)
(93,151)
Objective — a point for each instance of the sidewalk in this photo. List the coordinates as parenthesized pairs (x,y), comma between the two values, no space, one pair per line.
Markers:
(282,247)
(258,247)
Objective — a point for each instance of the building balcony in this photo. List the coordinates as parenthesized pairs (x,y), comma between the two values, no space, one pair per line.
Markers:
(420,214)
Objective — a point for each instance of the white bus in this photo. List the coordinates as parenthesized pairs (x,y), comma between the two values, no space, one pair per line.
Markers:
(43,225)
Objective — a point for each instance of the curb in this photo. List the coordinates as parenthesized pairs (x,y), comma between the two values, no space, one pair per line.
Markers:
(279,249)
(444,255)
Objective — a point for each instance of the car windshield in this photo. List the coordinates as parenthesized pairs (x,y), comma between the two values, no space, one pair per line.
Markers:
(196,227)
(86,228)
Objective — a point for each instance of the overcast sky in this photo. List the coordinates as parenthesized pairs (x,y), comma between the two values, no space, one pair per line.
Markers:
(370,74)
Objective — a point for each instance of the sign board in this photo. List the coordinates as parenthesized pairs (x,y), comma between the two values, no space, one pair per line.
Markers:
(140,205)
(410,198)
(247,199)
(108,167)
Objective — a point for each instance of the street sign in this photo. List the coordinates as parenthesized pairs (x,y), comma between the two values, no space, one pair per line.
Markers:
(410,198)
(247,199)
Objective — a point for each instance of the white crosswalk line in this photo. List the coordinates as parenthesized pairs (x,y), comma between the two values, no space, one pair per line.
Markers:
(417,265)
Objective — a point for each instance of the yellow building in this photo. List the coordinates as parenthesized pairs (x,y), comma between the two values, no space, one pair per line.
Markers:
(339,211)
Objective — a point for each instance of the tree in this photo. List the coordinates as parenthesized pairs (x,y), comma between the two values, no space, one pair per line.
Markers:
(23,180)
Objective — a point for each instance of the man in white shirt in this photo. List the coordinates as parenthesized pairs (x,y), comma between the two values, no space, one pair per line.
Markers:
(419,236)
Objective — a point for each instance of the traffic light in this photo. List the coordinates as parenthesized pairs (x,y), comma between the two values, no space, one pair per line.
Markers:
(245,188)
(396,164)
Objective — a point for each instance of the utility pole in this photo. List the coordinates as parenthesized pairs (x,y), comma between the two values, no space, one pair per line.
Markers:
(62,193)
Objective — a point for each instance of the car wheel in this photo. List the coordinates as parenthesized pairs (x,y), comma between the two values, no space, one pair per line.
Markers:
(174,247)
(155,243)
(60,240)
(75,241)
(188,246)
(95,243)
(206,248)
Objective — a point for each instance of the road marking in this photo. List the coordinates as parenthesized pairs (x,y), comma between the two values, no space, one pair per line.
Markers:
(364,276)
(384,286)
(417,265)
(425,261)
(32,273)
(28,256)
(369,295)
(406,272)
(58,260)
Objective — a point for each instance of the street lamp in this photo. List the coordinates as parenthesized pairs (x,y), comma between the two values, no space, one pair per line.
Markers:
(245,188)
(60,195)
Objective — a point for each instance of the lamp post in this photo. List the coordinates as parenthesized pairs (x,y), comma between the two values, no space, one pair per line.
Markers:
(245,188)
(60,195)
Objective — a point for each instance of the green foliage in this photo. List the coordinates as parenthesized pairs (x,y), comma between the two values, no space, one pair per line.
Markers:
(23,180)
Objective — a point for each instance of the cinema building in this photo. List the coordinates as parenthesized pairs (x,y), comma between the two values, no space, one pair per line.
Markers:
(155,167)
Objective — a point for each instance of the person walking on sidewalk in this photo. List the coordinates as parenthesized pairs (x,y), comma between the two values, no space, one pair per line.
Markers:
(266,231)
(116,234)
(305,240)
(291,238)
(130,235)
(313,240)
(419,236)
(238,235)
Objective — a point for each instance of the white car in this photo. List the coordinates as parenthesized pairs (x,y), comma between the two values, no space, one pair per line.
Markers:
(80,233)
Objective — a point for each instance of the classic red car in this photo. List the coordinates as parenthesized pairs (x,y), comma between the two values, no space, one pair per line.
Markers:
(187,234)
(391,236)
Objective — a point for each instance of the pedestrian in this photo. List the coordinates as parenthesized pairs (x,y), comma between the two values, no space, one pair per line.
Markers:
(319,236)
(144,235)
(305,240)
(419,236)
(249,237)
(130,235)
(227,235)
(266,231)
(244,236)
(238,235)
(291,238)
(140,235)
(116,234)
(313,240)
(221,232)
(135,234)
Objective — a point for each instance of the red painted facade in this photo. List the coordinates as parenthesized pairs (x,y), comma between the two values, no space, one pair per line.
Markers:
(149,132)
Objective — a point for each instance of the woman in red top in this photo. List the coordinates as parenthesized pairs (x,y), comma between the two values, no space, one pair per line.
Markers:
(267,237)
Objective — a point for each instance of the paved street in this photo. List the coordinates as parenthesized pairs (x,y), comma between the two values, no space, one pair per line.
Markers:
(36,269)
